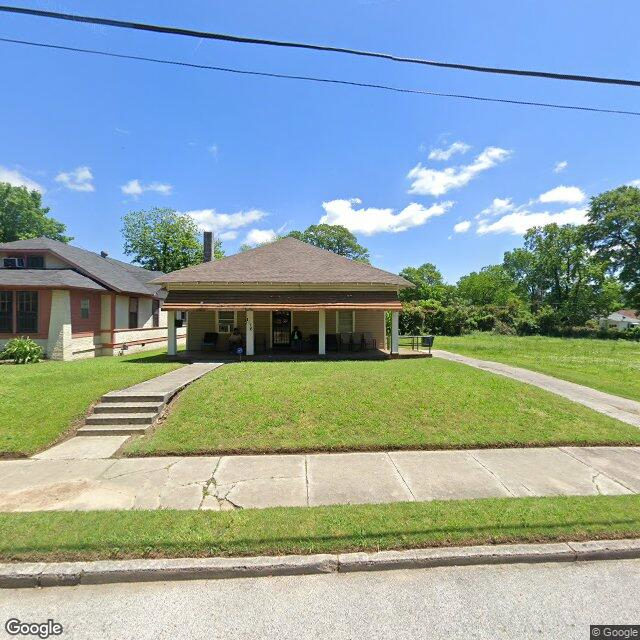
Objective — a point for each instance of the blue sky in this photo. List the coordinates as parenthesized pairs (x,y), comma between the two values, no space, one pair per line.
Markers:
(417,178)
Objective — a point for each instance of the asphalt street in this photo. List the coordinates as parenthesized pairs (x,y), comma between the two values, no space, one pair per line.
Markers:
(556,601)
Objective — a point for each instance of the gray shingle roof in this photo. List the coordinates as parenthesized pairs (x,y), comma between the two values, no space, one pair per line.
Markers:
(116,275)
(285,261)
(47,278)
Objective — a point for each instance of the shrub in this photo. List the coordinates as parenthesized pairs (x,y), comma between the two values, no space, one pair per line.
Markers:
(22,351)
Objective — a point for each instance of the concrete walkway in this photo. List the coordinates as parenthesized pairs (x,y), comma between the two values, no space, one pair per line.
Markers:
(616,407)
(229,482)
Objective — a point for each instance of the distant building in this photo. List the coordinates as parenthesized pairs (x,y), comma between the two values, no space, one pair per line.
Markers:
(621,320)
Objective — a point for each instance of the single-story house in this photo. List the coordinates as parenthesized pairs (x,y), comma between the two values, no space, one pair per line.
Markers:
(621,320)
(268,291)
(76,303)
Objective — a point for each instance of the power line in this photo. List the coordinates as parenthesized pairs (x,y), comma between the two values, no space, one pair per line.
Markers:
(124,24)
(350,83)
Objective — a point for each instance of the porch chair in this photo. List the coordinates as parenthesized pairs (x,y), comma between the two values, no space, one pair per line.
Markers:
(331,342)
(345,341)
(368,341)
(210,340)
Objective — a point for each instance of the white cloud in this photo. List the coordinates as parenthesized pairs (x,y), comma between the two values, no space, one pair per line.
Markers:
(462,227)
(436,182)
(260,236)
(568,195)
(520,221)
(445,154)
(634,183)
(78,179)
(17,179)
(560,166)
(221,223)
(497,207)
(213,150)
(371,220)
(228,235)
(136,188)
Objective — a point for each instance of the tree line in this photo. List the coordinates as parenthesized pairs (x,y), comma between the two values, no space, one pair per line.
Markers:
(559,282)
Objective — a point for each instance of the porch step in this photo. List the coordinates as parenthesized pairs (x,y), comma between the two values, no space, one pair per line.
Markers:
(140,397)
(120,418)
(128,407)
(111,430)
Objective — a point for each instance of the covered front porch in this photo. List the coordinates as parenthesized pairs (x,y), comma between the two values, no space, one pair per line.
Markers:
(314,323)
(286,333)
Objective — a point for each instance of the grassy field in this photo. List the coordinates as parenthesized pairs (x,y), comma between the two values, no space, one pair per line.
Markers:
(395,404)
(135,534)
(608,365)
(40,402)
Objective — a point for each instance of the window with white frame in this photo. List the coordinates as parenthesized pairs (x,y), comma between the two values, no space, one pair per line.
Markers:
(226,321)
(345,322)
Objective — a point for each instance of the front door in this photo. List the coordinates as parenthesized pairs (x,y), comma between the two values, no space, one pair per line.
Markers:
(281,323)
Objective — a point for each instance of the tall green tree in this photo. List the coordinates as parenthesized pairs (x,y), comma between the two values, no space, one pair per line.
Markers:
(558,270)
(22,216)
(429,284)
(613,233)
(164,240)
(491,285)
(333,237)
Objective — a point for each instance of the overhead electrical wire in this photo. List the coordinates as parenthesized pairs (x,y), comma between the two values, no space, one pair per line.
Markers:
(351,83)
(225,37)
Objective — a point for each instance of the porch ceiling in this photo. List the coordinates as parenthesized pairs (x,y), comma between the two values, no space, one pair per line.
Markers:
(274,300)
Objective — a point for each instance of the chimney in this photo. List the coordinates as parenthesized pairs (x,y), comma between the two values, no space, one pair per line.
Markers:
(208,246)
(104,254)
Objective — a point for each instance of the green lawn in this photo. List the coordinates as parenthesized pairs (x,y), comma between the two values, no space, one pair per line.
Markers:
(608,365)
(393,404)
(77,535)
(40,402)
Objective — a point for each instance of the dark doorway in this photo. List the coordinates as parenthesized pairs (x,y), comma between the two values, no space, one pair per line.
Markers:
(281,322)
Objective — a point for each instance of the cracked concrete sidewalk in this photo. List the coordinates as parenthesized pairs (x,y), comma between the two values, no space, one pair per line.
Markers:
(233,482)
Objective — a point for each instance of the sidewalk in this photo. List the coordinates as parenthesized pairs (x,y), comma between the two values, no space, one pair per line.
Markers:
(616,407)
(230,482)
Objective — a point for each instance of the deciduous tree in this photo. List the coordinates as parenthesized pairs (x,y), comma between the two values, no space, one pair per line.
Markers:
(22,216)
(163,240)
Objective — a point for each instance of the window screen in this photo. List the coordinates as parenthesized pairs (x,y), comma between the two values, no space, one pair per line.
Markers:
(85,308)
(133,313)
(27,316)
(6,311)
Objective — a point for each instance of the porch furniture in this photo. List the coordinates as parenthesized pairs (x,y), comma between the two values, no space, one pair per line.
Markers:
(210,341)
(312,342)
(332,342)
(421,342)
(345,342)
(368,341)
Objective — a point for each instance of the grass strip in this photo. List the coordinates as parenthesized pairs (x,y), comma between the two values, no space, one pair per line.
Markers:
(55,536)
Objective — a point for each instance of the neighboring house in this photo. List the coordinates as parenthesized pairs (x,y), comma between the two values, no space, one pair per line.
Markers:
(267,291)
(76,303)
(621,320)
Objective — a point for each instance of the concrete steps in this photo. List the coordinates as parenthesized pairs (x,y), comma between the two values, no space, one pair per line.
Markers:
(136,409)
(123,414)
(128,407)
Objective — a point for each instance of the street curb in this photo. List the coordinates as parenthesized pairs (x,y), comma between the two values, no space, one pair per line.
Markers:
(56,574)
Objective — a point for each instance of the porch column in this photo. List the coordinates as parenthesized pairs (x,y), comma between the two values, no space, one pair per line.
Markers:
(322,330)
(395,332)
(172,342)
(249,332)
(59,339)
